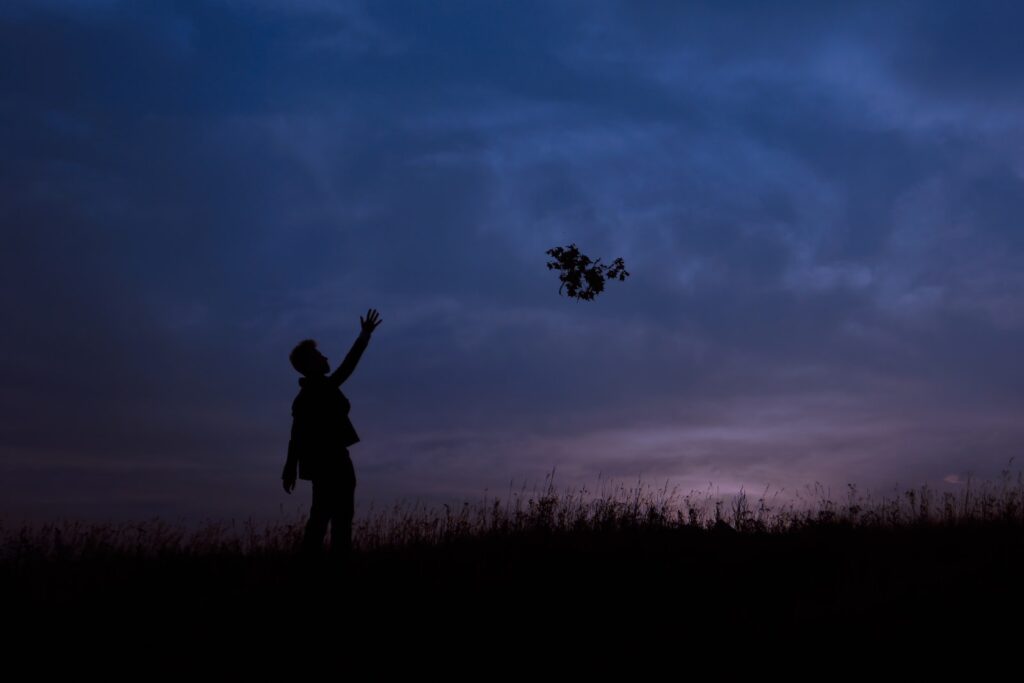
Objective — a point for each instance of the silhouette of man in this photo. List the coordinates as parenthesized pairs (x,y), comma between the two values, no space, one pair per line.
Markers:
(320,438)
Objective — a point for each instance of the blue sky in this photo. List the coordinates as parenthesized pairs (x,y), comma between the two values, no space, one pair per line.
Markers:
(820,205)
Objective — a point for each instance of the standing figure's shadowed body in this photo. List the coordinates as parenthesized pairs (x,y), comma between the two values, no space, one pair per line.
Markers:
(321,435)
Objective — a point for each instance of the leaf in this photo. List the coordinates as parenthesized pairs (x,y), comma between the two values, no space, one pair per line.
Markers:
(576,268)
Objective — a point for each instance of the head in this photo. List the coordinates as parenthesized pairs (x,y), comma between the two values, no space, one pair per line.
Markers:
(308,360)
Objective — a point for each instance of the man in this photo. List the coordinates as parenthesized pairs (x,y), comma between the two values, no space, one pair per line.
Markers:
(321,435)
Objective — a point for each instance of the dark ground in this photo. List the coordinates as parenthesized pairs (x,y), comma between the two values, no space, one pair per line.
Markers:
(682,585)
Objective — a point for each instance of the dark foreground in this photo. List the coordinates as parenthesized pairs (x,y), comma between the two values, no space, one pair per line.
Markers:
(681,581)
(544,581)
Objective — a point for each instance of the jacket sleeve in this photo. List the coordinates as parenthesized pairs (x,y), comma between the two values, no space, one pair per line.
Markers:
(351,360)
(291,465)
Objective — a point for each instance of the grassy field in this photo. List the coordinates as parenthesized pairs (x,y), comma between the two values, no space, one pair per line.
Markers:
(556,563)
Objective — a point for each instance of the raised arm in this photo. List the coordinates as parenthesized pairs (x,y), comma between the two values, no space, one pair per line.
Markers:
(369,324)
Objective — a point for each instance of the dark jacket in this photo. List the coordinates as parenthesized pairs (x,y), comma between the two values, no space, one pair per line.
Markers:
(321,429)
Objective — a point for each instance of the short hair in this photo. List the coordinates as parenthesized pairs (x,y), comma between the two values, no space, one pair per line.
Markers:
(302,356)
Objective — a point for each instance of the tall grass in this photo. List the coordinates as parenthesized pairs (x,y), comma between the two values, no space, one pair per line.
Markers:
(540,561)
(541,510)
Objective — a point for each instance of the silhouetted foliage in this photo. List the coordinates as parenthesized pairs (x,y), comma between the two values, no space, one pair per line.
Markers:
(583,278)
(907,561)
(621,558)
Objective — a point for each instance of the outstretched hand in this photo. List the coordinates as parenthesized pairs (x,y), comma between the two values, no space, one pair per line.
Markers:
(289,484)
(369,324)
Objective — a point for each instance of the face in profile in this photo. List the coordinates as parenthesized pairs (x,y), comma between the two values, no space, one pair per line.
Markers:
(307,359)
(322,366)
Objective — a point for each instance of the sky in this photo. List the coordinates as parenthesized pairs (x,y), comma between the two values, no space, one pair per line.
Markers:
(820,205)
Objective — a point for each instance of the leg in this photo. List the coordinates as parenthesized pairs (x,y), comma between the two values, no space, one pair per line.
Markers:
(344,511)
(319,516)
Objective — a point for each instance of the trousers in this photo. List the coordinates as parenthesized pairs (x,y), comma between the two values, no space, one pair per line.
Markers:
(333,503)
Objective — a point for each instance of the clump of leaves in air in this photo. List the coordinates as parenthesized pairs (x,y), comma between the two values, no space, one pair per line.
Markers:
(583,278)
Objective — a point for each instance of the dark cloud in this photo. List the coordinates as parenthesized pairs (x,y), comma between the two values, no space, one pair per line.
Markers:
(953,50)
(819,205)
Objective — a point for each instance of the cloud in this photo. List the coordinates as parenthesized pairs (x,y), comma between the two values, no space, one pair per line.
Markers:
(819,215)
